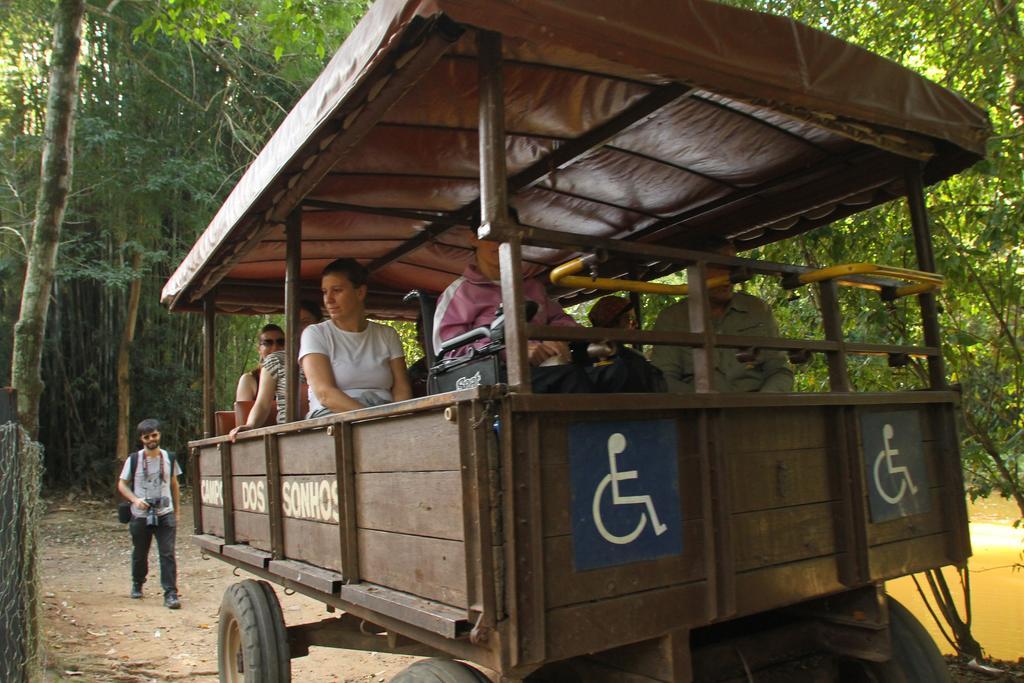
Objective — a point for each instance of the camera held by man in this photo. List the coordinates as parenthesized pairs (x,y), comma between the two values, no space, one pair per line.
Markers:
(155,504)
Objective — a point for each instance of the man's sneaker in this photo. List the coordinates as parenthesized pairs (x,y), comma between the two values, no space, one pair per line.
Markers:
(171,600)
(136,591)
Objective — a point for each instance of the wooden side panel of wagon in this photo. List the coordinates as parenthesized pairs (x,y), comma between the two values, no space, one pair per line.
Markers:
(393,518)
(774,510)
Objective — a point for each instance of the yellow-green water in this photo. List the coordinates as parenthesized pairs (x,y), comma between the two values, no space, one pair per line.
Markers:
(997,583)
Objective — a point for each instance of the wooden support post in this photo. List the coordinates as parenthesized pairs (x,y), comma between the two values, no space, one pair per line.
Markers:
(474,436)
(494,205)
(838,377)
(925,262)
(674,649)
(719,559)
(228,494)
(197,491)
(699,306)
(942,419)
(510,256)
(292,293)
(529,631)
(345,466)
(493,170)
(854,566)
(273,463)
(209,361)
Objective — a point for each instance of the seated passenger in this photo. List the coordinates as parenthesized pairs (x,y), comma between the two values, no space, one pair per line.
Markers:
(620,368)
(273,384)
(732,313)
(349,361)
(271,337)
(471,302)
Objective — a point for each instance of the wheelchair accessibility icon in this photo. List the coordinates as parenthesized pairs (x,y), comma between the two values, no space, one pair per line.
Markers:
(894,465)
(625,491)
(616,445)
(885,457)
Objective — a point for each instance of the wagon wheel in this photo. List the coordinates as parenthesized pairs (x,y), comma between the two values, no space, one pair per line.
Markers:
(251,642)
(915,657)
(439,671)
(284,660)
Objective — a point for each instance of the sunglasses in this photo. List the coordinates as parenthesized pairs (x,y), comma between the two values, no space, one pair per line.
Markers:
(272,342)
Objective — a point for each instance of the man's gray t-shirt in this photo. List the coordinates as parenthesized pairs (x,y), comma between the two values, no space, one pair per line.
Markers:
(148,480)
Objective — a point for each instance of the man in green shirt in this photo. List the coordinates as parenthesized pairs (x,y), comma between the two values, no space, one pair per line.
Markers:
(732,313)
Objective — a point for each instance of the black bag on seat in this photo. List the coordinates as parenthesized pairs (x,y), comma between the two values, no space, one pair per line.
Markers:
(627,372)
(470,371)
(479,367)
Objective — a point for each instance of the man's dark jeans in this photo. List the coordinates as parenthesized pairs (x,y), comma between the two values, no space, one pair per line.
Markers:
(142,538)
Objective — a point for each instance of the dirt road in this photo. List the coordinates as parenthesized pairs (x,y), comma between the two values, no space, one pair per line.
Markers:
(95,632)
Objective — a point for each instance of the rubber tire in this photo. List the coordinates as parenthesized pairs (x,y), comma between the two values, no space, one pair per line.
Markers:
(284,659)
(913,649)
(915,656)
(439,671)
(245,607)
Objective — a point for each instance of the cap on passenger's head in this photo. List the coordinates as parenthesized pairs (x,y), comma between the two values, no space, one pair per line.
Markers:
(607,311)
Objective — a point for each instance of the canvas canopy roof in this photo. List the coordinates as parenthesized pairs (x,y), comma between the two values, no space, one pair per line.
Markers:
(652,120)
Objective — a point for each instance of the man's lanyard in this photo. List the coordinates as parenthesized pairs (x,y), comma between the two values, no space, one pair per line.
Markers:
(145,465)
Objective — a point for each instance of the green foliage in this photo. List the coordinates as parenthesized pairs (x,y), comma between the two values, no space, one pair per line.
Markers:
(289,26)
(977,48)
(165,129)
(409,335)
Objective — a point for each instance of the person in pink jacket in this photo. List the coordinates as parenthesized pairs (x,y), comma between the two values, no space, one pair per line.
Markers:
(471,301)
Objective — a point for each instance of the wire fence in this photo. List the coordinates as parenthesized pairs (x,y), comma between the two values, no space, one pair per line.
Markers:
(20,511)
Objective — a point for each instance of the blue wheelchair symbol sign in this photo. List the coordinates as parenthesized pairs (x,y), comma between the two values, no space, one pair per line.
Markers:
(894,467)
(625,492)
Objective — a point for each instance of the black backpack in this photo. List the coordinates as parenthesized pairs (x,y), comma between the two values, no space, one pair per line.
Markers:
(135,461)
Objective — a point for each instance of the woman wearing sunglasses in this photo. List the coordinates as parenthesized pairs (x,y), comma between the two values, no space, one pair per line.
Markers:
(271,338)
(272,383)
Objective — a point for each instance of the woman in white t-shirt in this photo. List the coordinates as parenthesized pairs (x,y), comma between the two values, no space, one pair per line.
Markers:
(349,361)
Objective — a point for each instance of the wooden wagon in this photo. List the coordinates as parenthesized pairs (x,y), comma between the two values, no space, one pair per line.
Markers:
(488,524)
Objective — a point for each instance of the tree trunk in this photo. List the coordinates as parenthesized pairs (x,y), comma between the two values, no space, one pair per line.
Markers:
(124,394)
(55,182)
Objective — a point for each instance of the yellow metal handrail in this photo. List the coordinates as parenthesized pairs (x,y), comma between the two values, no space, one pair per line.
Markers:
(565,275)
(925,282)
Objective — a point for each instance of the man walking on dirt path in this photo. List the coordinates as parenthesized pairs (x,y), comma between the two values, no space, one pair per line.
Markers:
(147,480)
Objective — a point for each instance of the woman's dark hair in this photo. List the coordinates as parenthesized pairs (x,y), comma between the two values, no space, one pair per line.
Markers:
(313,308)
(350,268)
